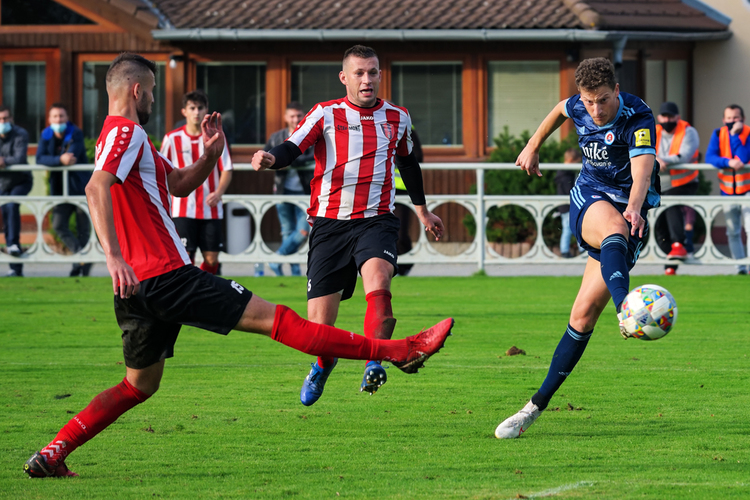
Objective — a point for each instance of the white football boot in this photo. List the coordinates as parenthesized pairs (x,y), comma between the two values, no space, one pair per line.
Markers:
(516,425)
(623,329)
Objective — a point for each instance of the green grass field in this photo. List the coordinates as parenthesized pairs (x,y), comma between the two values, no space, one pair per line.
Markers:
(636,419)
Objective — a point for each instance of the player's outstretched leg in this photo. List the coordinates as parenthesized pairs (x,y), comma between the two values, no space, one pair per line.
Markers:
(315,382)
(516,425)
(407,354)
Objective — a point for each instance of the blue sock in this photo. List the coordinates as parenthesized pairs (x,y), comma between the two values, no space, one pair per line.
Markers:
(568,352)
(614,265)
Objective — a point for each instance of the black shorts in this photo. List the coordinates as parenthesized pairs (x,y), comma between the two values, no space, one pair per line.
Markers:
(338,248)
(205,234)
(150,321)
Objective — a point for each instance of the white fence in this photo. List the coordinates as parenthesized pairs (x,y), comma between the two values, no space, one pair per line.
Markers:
(246,211)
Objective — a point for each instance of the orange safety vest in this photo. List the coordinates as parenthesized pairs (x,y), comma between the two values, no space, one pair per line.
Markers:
(738,182)
(679,177)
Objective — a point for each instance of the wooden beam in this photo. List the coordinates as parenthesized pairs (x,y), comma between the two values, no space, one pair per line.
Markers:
(114,18)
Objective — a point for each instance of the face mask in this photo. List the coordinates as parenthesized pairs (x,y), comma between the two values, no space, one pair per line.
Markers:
(669,126)
(5,127)
(729,124)
(59,128)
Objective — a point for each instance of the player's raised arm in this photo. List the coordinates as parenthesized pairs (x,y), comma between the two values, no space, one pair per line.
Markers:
(528,160)
(124,281)
(183,181)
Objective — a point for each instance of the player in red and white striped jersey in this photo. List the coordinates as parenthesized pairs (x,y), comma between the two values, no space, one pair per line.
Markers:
(157,290)
(198,216)
(358,140)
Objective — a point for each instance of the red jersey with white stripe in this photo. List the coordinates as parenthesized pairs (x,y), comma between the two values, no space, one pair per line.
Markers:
(140,201)
(354,157)
(183,149)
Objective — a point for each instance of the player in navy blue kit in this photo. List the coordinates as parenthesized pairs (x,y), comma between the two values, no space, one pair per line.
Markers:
(618,184)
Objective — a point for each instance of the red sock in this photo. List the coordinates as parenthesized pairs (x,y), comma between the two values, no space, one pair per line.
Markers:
(378,312)
(209,268)
(104,409)
(328,341)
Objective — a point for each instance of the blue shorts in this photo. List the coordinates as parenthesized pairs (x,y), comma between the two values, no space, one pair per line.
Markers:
(581,198)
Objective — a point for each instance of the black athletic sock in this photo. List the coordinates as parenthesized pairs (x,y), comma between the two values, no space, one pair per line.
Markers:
(568,352)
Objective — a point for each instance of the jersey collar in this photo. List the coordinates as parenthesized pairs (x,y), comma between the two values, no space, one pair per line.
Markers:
(378,105)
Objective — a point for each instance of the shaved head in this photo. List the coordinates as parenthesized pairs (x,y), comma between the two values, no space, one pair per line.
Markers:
(133,73)
(127,69)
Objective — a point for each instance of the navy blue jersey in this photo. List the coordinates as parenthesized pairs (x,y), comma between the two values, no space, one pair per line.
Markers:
(607,150)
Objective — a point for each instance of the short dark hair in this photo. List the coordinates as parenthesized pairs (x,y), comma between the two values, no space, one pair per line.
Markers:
(197,96)
(3,107)
(128,64)
(59,105)
(360,51)
(594,73)
(295,105)
(737,106)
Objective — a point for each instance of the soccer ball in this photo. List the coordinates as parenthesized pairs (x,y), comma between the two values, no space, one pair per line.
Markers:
(648,312)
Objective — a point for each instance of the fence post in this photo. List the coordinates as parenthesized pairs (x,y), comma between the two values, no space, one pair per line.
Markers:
(480,218)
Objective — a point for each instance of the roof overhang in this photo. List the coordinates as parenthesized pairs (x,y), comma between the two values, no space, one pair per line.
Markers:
(434,35)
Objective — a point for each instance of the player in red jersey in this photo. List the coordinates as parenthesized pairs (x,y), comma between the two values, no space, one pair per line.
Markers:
(358,140)
(198,216)
(157,290)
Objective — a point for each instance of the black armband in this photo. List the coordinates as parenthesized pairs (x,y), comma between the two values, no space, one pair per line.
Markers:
(411,174)
(285,153)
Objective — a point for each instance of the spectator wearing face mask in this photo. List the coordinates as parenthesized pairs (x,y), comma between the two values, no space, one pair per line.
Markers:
(676,144)
(61,144)
(729,151)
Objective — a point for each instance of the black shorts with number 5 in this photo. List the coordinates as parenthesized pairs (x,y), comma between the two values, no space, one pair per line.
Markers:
(338,248)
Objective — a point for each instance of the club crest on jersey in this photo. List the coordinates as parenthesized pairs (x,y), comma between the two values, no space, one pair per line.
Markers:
(389,131)
(609,138)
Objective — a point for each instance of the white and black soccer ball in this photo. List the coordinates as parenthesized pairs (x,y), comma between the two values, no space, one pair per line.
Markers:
(649,312)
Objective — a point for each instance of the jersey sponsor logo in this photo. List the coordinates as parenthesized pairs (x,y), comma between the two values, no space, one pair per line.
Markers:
(642,137)
(609,138)
(238,287)
(366,118)
(389,131)
(344,128)
(595,152)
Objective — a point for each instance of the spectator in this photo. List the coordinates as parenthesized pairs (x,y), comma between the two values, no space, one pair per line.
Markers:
(676,143)
(14,142)
(729,151)
(403,244)
(61,144)
(198,216)
(293,220)
(564,181)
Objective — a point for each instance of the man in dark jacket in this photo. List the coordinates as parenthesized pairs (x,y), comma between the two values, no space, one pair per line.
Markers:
(14,142)
(62,144)
(293,220)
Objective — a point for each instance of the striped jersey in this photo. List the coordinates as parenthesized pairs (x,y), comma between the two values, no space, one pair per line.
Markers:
(607,150)
(140,201)
(183,149)
(354,157)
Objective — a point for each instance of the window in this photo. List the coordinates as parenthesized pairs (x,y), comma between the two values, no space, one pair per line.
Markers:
(316,82)
(238,92)
(666,80)
(431,91)
(24,92)
(521,93)
(96,105)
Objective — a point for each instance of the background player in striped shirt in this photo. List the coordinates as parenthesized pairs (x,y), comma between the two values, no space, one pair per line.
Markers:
(358,141)
(198,216)
(156,288)
(618,184)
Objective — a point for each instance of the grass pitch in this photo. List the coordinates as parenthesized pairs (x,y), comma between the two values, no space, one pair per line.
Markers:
(636,419)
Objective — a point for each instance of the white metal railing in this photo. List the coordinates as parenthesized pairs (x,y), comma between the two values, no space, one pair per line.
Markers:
(254,249)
